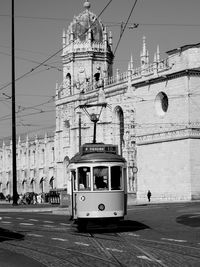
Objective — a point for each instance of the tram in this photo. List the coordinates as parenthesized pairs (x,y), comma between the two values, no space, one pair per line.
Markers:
(98,184)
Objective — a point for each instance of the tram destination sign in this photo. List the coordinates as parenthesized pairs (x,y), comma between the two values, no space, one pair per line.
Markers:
(99,148)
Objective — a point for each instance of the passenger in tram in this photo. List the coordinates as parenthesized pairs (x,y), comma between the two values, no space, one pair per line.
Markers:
(81,186)
(99,182)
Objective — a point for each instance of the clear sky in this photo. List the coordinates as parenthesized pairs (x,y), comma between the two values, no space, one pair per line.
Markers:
(38,35)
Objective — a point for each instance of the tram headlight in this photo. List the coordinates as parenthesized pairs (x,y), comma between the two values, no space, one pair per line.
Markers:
(101,207)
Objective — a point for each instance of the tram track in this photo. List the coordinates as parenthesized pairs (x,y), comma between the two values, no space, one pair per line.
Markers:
(131,250)
(55,253)
(189,251)
(104,248)
(159,253)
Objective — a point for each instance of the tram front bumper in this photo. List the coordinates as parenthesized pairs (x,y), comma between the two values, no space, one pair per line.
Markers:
(100,214)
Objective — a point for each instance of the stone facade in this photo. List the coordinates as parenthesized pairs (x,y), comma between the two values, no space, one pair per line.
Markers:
(152,112)
(36,164)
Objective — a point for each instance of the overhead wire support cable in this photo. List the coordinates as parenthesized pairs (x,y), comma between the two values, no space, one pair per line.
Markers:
(124,26)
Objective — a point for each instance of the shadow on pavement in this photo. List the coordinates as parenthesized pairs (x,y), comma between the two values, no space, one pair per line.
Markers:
(128,225)
(6,235)
(192,220)
(122,226)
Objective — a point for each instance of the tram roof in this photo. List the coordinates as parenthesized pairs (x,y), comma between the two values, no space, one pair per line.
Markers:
(97,157)
(97,152)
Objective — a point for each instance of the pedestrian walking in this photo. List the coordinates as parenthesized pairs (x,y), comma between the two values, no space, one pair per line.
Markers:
(149,195)
(9,198)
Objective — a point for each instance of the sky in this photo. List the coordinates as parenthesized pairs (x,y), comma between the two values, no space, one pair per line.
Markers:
(38,36)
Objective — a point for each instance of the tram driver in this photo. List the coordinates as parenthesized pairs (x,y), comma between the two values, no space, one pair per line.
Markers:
(100,177)
(99,182)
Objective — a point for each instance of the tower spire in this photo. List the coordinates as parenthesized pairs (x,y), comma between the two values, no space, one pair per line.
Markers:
(144,56)
(144,46)
(87,5)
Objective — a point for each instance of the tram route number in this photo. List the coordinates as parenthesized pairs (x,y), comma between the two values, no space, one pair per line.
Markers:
(92,149)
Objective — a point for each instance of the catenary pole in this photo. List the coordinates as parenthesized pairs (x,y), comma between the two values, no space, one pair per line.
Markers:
(14,165)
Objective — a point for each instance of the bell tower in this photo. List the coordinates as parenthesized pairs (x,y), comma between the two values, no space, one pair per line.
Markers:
(87,53)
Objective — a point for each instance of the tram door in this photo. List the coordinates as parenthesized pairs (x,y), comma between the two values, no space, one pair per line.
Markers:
(73,186)
(83,183)
(125,190)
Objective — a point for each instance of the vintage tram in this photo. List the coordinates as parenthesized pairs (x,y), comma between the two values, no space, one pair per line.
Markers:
(99,184)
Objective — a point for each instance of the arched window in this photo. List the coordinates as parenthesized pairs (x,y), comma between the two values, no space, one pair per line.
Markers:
(66,173)
(42,184)
(33,160)
(32,184)
(52,154)
(51,182)
(68,81)
(42,156)
(97,76)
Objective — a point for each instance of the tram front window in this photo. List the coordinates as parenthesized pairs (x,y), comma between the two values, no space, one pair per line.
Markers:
(100,178)
(116,178)
(84,177)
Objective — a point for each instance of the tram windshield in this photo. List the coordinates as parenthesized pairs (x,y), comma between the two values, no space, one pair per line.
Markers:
(116,178)
(84,178)
(100,178)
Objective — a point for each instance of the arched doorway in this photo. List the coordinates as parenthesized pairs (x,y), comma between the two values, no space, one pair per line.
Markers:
(66,172)
(119,128)
(42,185)
(51,182)
(32,185)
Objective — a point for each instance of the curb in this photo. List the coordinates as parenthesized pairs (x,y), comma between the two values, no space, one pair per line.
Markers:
(66,210)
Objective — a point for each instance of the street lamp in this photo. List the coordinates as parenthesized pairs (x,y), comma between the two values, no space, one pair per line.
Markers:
(93,115)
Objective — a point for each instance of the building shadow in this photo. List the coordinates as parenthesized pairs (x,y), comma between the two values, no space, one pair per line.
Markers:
(192,220)
(7,235)
(131,226)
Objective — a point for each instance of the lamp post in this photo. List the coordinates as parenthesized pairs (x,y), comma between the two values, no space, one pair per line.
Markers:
(94,116)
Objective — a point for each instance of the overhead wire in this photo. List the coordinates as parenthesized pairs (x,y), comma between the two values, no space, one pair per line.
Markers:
(62,48)
(30,60)
(48,58)
(54,54)
(124,26)
(107,23)
(8,117)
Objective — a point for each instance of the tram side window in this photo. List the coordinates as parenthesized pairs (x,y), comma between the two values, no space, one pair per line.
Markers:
(100,178)
(84,177)
(116,178)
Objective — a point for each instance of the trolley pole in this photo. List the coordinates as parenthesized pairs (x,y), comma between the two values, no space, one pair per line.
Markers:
(14,165)
(79,130)
(94,132)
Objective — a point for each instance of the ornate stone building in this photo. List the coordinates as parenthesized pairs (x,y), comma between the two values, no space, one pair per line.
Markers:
(152,114)
(36,166)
